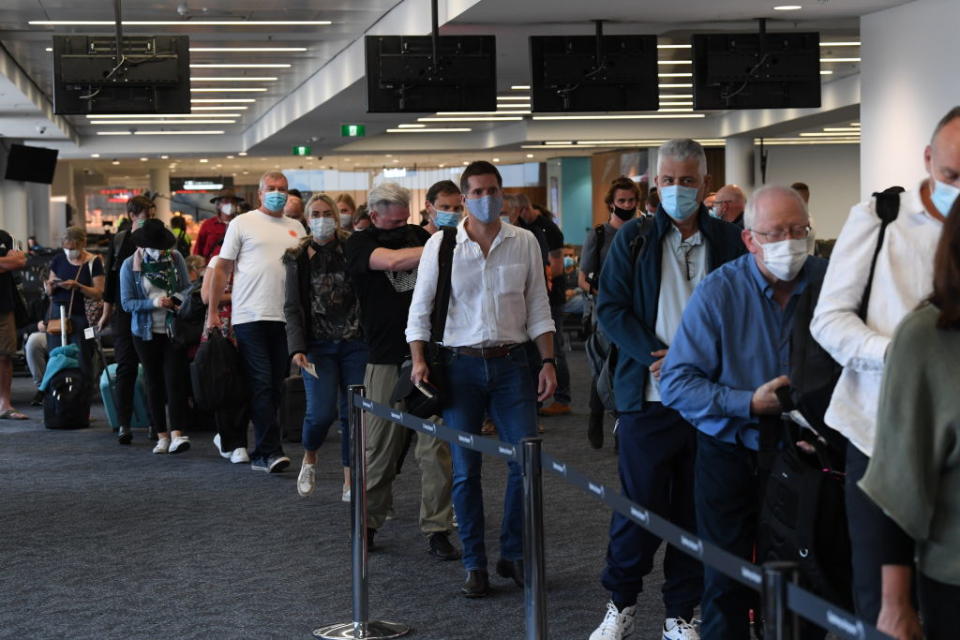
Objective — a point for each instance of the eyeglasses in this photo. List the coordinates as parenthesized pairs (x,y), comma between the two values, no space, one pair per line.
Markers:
(795,233)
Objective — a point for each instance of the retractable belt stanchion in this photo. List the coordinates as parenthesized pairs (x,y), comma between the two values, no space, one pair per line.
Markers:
(361,627)
(534,581)
(779,623)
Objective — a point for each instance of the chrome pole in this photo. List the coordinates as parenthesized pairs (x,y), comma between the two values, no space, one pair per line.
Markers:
(534,580)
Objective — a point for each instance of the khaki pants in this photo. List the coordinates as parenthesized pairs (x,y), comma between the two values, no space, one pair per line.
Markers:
(385,443)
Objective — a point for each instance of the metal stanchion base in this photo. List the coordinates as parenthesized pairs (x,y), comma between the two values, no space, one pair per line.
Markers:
(374,630)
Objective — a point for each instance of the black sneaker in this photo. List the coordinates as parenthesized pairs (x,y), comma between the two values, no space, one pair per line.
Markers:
(37,399)
(259,464)
(276,464)
(439,546)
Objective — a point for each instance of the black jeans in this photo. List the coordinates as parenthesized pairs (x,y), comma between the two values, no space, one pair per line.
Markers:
(938,607)
(167,378)
(127,362)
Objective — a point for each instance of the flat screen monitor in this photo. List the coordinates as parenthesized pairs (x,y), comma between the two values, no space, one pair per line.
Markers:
(756,71)
(154,78)
(31,164)
(570,73)
(401,76)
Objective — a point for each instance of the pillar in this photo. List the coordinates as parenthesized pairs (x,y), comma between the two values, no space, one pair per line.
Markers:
(904,90)
(160,184)
(652,154)
(738,162)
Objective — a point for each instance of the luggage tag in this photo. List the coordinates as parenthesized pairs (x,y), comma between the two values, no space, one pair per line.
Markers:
(88,333)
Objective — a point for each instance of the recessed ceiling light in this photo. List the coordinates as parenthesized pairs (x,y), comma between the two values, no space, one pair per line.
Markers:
(247,49)
(242,154)
(826,72)
(396,160)
(216,100)
(674,46)
(676,85)
(164,157)
(674,61)
(234,79)
(199,132)
(115,162)
(204,160)
(435,130)
(112,123)
(178,23)
(466,162)
(228,89)
(506,98)
(788,7)
(229,157)
(839,59)
(389,155)
(529,155)
(478,119)
(496,159)
(94,155)
(840,44)
(243,65)
(519,87)
(144,159)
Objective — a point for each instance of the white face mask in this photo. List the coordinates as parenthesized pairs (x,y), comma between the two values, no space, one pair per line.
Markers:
(72,254)
(346,220)
(322,228)
(227,209)
(784,259)
(153,254)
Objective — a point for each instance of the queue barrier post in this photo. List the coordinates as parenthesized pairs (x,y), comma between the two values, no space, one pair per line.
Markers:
(361,627)
(534,574)
(778,622)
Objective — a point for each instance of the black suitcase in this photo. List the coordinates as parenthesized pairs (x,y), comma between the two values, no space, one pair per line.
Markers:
(66,404)
(293,406)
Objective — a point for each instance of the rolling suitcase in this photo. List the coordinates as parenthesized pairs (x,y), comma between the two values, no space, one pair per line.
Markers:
(108,390)
(66,404)
(293,406)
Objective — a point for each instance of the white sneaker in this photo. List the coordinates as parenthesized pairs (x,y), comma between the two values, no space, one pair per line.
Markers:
(238,455)
(307,480)
(216,443)
(679,629)
(162,446)
(179,444)
(616,625)
(345,495)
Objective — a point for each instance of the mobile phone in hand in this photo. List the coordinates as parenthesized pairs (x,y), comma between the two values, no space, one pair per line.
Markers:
(177,300)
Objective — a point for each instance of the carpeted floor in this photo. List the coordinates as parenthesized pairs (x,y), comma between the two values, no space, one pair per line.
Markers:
(109,542)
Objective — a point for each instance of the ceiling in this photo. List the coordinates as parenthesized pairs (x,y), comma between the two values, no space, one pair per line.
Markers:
(323,86)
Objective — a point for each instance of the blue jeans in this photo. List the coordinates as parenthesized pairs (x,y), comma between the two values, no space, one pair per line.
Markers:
(339,364)
(263,350)
(502,387)
(656,457)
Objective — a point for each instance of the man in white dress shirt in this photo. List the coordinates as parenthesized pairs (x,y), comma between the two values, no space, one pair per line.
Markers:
(903,278)
(498,302)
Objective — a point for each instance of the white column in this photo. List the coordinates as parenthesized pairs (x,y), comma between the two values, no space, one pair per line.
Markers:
(907,83)
(738,161)
(160,183)
(13,196)
(652,155)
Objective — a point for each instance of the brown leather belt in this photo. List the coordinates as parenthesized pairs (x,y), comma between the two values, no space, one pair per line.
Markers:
(485,352)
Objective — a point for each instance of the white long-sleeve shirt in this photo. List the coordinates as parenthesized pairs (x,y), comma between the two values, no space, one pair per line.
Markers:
(903,278)
(495,300)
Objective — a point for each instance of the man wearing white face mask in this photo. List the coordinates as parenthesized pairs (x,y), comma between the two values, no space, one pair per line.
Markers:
(728,357)
(902,279)
(212,230)
(649,275)
(252,250)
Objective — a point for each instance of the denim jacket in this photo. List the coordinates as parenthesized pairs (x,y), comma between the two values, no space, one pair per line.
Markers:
(134,299)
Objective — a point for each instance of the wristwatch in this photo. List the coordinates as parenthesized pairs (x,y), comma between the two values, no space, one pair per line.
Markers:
(552,361)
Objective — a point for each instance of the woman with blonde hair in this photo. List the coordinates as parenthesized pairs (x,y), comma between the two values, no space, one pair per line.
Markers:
(346,208)
(322,315)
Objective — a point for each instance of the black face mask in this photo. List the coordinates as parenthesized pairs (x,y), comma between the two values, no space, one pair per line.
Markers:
(624,214)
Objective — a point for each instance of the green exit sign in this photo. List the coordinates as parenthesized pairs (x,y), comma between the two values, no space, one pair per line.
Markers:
(353,130)
(301,150)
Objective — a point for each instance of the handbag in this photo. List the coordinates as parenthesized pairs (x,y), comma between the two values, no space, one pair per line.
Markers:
(417,403)
(53,324)
(92,308)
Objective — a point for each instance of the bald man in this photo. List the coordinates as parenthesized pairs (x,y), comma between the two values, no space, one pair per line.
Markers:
(729,204)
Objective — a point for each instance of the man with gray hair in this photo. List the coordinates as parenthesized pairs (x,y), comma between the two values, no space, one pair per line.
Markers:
(649,275)
(729,204)
(251,251)
(728,358)
(383,262)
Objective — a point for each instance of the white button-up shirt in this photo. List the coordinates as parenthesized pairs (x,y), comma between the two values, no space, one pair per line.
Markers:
(494,300)
(902,280)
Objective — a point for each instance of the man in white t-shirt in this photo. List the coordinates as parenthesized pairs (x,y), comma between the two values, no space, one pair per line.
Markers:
(252,249)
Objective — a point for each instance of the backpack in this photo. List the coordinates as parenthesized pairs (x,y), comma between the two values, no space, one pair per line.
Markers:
(813,372)
(190,317)
(599,239)
(216,374)
(66,404)
(602,353)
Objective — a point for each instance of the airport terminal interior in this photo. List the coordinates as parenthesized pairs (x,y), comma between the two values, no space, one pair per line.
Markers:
(341,97)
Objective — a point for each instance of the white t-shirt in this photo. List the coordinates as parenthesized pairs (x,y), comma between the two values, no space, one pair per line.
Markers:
(255,242)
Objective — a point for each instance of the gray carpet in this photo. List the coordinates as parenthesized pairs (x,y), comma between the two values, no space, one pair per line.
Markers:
(109,542)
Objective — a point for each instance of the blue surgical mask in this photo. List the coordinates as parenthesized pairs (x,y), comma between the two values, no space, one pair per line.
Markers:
(274,200)
(446,219)
(943,196)
(679,202)
(485,209)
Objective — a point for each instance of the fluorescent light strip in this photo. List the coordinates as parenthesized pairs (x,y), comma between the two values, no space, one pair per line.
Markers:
(113,123)
(644,116)
(249,65)
(674,61)
(474,119)
(485,113)
(839,44)
(829,135)
(682,74)
(802,141)
(157,115)
(229,90)
(676,104)
(411,126)
(839,59)
(179,23)
(521,87)
(438,130)
(523,98)
(685,109)
(234,79)
(826,72)
(209,100)
(843,129)
(247,49)
(681,85)
(677,96)
(160,133)
(237,108)
(674,46)
(513,106)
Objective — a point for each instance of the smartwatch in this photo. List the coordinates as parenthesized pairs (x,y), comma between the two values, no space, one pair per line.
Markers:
(552,361)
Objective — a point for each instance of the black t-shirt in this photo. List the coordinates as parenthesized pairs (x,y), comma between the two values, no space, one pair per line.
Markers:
(7,284)
(84,274)
(546,228)
(384,295)
(121,248)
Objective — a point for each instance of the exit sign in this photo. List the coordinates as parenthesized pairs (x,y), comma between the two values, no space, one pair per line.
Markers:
(301,151)
(353,130)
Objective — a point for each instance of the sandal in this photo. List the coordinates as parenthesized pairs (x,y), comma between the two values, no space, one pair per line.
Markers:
(13,414)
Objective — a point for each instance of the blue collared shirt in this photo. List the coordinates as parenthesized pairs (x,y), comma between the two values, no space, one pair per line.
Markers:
(733,338)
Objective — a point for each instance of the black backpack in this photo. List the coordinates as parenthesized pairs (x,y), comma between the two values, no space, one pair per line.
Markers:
(66,404)
(599,239)
(216,374)
(188,322)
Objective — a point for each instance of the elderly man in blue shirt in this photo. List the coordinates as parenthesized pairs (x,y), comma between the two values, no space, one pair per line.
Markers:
(730,355)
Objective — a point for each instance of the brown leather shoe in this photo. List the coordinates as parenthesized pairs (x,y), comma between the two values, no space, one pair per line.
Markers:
(556,409)
(477,584)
